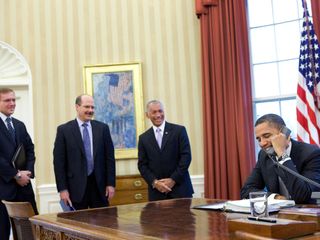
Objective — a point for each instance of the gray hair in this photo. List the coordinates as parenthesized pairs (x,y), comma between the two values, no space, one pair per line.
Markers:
(152,102)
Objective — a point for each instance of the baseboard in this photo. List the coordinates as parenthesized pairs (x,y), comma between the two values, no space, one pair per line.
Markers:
(48,198)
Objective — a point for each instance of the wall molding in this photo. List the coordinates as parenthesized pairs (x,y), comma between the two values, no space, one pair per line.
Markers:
(48,198)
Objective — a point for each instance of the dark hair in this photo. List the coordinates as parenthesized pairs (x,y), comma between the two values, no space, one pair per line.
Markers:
(272,119)
(78,100)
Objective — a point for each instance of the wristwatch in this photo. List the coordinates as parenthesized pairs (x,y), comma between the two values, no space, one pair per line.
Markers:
(17,176)
(283,157)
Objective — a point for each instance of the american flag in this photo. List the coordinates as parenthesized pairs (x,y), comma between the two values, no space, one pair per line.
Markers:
(308,93)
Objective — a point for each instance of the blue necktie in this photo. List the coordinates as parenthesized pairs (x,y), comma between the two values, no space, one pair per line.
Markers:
(87,148)
(11,129)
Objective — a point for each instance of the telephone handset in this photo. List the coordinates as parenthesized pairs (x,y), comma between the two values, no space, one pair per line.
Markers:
(286,131)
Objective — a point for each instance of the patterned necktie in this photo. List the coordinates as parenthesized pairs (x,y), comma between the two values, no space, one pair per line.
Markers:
(87,148)
(11,129)
(159,137)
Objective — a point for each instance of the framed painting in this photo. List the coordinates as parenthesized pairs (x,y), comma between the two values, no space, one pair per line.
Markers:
(117,93)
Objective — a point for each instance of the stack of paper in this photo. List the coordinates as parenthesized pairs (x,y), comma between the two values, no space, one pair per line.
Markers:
(243,206)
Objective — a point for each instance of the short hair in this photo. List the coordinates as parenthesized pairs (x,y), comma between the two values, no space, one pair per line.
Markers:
(79,98)
(153,102)
(5,90)
(272,119)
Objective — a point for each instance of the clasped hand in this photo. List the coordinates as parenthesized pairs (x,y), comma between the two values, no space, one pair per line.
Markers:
(164,185)
(24,180)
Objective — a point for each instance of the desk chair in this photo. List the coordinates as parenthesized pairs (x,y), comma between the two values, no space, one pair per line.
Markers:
(19,213)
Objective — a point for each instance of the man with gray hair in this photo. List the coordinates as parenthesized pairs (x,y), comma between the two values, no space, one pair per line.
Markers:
(164,156)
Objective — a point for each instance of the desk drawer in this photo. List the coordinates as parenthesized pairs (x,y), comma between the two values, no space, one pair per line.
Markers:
(127,197)
(130,189)
(131,183)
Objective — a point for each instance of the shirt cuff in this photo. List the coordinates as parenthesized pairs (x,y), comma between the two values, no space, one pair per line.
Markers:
(284,160)
(272,196)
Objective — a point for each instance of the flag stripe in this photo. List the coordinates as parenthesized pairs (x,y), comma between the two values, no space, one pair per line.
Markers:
(308,100)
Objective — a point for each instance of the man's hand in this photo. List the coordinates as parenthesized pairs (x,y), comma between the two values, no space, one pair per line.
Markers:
(23,178)
(168,181)
(161,186)
(280,143)
(278,196)
(65,197)
(110,192)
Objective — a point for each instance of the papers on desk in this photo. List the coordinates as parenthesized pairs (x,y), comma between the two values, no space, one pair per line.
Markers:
(243,206)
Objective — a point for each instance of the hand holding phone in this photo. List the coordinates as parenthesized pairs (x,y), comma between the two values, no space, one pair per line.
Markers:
(286,131)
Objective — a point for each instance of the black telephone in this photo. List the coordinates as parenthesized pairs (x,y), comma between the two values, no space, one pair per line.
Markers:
(286,131)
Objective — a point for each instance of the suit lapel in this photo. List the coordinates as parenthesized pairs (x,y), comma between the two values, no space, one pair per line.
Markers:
(77,135)
(152,139)
(95,133)
(17,130)
(166,134)
(4,129)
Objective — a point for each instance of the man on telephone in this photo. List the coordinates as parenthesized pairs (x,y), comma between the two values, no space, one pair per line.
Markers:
(278,148)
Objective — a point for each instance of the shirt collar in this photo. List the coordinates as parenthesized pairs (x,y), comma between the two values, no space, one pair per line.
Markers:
(288,150)
(82,122)
(4,117)
(161,127)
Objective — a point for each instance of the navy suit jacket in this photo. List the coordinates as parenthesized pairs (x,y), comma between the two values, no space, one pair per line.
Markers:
(305,160)
(8,185)
(171,161)
(70,164)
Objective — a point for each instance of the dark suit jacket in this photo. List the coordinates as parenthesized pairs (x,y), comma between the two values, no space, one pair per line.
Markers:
(171,161)
(70,164)
(305,160)
(8,185)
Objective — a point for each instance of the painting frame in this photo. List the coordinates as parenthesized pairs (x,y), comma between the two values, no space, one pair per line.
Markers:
(117,91)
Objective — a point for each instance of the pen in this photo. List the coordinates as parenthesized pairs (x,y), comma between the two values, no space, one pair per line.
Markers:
(262,219)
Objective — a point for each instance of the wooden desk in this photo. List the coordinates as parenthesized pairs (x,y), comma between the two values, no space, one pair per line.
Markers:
(169,219)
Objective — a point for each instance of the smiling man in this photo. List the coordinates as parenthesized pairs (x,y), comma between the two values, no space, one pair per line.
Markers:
(84,163)
(164,156)
(15,184)
(300,157)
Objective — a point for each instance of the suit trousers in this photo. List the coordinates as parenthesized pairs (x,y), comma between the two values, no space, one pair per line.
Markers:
(21,196)
(92,198)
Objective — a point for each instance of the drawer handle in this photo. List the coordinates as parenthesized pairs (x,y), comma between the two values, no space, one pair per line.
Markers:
(138,196)
(137,183)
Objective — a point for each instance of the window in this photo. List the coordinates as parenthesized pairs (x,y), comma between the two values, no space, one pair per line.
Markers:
(274,33)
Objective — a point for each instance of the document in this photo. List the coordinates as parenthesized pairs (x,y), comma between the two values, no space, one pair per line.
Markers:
(19,158)
(66,207)
(243,206)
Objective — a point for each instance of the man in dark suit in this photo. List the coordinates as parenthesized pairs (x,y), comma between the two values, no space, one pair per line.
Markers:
(164,156)
(300,157)
(15,183)
(84,163)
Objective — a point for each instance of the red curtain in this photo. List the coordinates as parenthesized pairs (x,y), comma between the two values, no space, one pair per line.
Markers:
(227,100)
(315,5)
